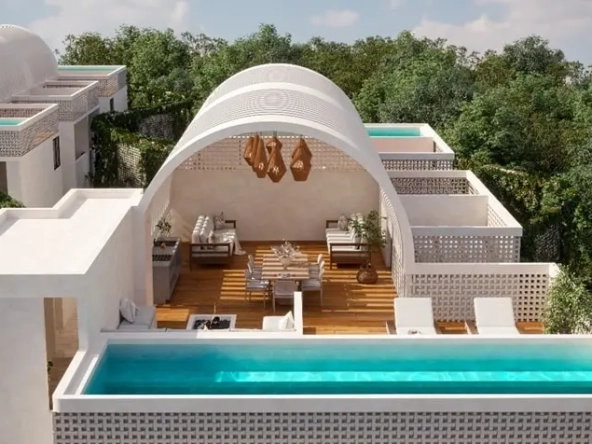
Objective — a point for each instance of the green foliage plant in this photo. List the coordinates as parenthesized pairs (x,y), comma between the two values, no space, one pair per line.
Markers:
(569,306)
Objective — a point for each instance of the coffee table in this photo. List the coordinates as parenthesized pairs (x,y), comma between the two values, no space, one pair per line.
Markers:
(198,321)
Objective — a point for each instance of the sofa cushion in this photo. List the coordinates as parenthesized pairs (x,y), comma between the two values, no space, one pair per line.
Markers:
(343,223)
(128,310)
(219,221)
(145,318)
(287,322)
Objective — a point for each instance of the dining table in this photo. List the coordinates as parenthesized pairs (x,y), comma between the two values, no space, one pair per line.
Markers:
(273,270)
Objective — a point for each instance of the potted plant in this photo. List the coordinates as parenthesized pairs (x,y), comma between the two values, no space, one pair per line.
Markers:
(164,228)
(369,230)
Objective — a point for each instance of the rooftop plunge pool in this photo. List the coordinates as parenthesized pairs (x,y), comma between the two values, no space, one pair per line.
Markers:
(343,368)
(392,132)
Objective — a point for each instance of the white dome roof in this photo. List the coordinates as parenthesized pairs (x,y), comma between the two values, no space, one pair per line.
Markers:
(26,61)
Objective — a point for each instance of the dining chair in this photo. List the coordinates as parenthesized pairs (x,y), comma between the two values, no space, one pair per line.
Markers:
(257,270)
(317,264)
(314,283)
(284,290)
(255,285)
(314,271)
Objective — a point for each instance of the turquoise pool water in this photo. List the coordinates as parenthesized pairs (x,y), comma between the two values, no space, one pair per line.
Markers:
(263,369)
(393,132)
(83,68)
(9,121)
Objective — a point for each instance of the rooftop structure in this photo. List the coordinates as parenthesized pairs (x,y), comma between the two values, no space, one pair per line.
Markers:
(209,353)
(45,115)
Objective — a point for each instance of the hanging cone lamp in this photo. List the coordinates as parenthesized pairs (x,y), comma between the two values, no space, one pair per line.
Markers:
(301,161)
(276,169)
(260,160)
(249,150)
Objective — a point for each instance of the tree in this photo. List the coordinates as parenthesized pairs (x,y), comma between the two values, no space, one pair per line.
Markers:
(423,81)
(8,202)
(569,306)
(526,124)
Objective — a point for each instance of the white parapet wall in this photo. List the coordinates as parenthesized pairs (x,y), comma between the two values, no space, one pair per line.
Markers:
(455,218)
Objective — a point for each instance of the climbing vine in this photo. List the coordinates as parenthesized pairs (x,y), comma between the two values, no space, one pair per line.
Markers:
(129,147)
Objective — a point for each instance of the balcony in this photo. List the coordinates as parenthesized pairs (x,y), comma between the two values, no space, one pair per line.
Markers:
(75,99)
(25,126)
(111,78)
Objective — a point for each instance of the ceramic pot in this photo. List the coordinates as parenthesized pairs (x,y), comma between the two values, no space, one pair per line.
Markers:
(367,274)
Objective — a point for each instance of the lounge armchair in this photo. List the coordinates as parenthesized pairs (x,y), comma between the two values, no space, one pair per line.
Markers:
(212,253)
(344,247)
(495,316)
(414,316)
(291,322)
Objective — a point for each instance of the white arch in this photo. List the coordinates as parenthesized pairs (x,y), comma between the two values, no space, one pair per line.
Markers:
(25,61)
(308,105)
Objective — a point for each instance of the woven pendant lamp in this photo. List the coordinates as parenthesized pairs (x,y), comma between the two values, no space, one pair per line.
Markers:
(276,169)
(249,150)
(301,164)
(260,160)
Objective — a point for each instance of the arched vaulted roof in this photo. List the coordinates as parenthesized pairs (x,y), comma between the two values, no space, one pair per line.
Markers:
(25,61)
(283,98)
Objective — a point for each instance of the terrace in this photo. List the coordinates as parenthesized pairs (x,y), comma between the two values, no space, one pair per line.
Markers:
(348,306)
(75,99)
(110,78)
(108,248)
(25,126)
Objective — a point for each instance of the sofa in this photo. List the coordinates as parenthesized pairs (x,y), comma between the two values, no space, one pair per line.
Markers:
(343,246)
(211,245)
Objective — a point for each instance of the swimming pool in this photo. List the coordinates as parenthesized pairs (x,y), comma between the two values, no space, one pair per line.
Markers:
(11,121)
(394,367)
(393,132)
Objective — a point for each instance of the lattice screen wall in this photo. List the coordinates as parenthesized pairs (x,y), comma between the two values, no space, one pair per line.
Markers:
(324,428)
(68,109)
(452,294)
(417,164)
(20,142)
(397,267)
(431,185)
(112,84)
(227,154)
(467,248)
(493,219)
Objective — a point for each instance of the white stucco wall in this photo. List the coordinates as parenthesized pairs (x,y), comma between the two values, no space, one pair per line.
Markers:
(270,211)
(111,277)
(403,144)
(68,155)
(442,210)
(32,178)
(119,101)
(24,402)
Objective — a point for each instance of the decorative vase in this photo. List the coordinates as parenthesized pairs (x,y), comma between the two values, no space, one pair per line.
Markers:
(285,261)
(367,274)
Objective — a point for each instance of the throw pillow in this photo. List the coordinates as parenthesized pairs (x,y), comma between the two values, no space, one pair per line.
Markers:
(212,239)
(219,221)
(287,322)
(128,310)
(342,222)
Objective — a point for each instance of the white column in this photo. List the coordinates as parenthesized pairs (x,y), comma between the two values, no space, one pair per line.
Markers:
(25,417)
(68,155)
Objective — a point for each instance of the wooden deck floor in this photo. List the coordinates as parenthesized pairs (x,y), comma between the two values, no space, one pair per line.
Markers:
(348,307)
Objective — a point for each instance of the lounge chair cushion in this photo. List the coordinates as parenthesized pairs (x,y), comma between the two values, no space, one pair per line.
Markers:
(414,316)
(128,310)
(287,322)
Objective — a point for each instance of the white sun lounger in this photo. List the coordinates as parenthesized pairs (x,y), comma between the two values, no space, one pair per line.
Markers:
(495,316)
(414,316)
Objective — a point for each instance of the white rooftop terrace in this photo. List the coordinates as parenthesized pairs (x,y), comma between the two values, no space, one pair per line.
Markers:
(63,240)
